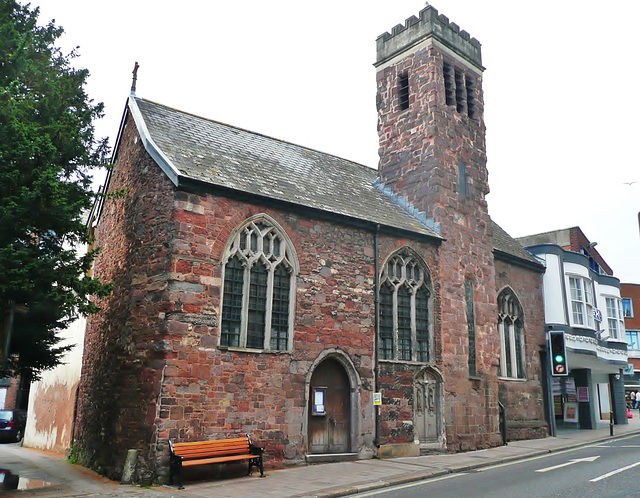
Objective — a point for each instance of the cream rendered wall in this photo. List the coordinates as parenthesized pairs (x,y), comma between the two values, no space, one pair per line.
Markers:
(52,398)
(553,281)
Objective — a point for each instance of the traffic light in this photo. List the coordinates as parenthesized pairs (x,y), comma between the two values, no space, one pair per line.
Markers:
(558,354)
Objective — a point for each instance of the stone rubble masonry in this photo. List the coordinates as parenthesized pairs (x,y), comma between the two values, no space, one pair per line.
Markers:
(420,151)
(524,399)
(125,344)
(153,371)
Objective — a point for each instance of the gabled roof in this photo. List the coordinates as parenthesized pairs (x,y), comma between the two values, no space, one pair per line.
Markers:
(189,148)
(508,248)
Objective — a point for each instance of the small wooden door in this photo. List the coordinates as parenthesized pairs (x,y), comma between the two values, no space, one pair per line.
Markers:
(427,407)
(329,432)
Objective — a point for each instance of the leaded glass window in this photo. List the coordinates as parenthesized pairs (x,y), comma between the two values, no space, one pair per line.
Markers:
(259,287)
(386,322)
(280,311)
(510,328)
(422,324)
(405,309)
(232,309)
(404,323)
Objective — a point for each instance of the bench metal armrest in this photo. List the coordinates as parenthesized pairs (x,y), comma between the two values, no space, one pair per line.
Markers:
(255,450)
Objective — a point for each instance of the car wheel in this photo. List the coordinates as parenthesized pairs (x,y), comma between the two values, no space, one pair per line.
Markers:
(18,436)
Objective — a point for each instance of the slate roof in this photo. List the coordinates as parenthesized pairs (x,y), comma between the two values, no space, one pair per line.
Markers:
(225,156)
(510,247)
(189,147)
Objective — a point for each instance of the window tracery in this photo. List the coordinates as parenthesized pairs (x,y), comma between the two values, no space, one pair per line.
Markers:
(259,268)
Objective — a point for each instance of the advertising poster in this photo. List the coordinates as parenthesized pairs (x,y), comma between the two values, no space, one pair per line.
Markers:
(583,394)
(571,412)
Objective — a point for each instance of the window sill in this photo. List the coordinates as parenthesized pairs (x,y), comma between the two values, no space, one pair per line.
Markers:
(475,377)
(405,362)
(512,379)
(614,339)
(252,350)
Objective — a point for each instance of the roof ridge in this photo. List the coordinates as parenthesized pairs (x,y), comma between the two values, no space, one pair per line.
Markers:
(403,202)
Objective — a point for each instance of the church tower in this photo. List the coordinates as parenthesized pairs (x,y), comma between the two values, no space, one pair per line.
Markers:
(432,151)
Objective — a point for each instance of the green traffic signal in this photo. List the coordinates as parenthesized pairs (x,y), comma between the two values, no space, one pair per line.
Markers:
(557,353)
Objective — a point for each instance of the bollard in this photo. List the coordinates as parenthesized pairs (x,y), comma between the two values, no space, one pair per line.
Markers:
(129,467)
(610,423)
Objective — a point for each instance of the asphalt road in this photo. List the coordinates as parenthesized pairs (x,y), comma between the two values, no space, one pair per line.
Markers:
(611,469)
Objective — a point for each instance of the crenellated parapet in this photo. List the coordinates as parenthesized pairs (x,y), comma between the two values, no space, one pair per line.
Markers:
(429,25)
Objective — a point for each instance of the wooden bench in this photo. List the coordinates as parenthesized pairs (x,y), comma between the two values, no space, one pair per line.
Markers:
(220,451)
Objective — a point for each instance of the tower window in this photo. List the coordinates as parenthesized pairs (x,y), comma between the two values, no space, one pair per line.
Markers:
(459,90)
(403,92)
(461,93)
(471,102)
(471,327)
(462,178)
(449,84)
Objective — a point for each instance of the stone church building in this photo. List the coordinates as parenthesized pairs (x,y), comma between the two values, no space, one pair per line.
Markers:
(270,289)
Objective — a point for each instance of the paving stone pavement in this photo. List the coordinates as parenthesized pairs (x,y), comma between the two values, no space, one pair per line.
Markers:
(320,480)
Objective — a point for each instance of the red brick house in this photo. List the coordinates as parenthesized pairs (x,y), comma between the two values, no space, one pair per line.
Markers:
(267,288)
(631,308)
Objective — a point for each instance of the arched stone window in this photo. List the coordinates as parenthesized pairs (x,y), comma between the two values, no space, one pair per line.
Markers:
(259,268)
(510,327)
(405,309)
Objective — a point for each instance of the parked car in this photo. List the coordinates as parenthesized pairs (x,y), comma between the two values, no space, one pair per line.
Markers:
(12,424)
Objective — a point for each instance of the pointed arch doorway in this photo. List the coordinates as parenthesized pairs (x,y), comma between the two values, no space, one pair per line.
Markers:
(329,424)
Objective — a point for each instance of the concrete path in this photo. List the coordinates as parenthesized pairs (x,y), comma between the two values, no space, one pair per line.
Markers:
(321,480)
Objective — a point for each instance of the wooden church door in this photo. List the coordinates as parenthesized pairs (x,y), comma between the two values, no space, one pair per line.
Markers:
(329,411)
(428,407)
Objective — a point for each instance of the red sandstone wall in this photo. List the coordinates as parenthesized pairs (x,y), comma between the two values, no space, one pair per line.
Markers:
(396,379)
(420,150)
(213,393)
(153,371)
(524,400)
(125,344)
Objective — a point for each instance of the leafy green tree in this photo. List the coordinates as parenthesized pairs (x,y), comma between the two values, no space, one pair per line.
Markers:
(47,154)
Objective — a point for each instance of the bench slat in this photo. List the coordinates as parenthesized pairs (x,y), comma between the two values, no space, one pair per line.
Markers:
(218,460)
(197,454)
(210,446)
(188,451)
(217,441)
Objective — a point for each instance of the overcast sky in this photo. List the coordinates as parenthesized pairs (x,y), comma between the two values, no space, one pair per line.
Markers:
(561,102)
